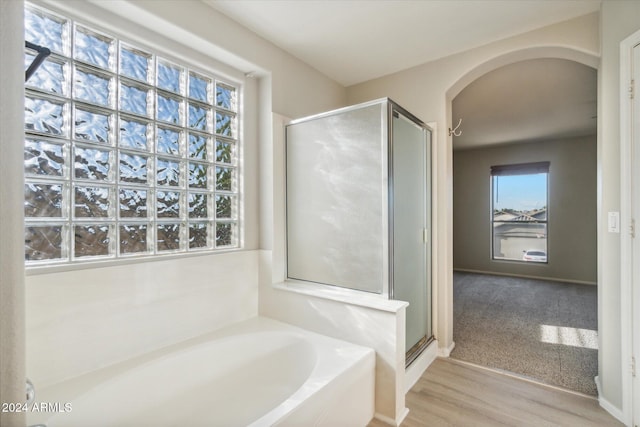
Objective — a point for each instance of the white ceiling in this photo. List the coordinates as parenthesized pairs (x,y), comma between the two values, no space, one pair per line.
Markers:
(527,101)
(352,41)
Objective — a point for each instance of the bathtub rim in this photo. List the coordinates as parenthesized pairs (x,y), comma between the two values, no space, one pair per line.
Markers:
(74,388)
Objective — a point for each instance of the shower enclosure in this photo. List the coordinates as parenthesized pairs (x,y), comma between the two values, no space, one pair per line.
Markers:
(359,206)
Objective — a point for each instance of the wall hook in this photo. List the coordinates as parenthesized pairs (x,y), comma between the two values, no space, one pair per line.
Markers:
(455,131)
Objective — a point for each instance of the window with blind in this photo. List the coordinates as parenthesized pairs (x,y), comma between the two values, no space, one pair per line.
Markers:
(519,200)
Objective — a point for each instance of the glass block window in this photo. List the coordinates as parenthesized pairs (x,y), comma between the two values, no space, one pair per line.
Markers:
(126,153)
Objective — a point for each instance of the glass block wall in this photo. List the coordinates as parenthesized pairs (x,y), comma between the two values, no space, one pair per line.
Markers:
(126,153)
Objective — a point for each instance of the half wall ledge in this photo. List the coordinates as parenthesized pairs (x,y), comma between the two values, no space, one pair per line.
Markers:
(343,295)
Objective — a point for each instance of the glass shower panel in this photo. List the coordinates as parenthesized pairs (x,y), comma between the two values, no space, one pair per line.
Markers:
(411,206)
(358,207)
(336,221)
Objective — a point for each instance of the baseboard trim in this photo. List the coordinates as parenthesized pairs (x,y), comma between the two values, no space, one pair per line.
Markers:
(446,351)
(416,369)
(391,421)
(402,416)
(613,410)
(524,276)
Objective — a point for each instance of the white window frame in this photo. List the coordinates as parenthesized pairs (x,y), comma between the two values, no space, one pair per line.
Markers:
(113,221)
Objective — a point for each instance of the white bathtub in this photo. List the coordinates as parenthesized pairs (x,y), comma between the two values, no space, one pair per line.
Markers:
(256,373)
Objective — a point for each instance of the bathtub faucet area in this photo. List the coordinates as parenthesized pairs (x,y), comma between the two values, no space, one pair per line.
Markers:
(31,397)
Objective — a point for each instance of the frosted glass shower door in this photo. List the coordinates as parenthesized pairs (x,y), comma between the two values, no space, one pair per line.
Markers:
(336,190)
(411,228)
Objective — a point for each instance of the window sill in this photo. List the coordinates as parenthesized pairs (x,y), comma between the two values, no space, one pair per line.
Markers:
(33,270)
(518,261)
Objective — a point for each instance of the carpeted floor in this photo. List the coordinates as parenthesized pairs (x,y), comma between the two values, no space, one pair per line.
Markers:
(539,329)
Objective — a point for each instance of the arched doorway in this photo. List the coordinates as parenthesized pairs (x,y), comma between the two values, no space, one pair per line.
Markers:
(590,61)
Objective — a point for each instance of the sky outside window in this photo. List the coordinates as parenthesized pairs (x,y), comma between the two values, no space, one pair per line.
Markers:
(520,192)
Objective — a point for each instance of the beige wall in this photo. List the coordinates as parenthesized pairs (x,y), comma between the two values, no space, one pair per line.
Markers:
(572,227)
(619,19)
(427,91)
(12,313)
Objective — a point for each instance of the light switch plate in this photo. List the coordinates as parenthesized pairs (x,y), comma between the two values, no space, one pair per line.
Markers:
(614,222)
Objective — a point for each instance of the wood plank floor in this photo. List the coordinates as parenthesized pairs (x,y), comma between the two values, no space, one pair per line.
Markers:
(453,393)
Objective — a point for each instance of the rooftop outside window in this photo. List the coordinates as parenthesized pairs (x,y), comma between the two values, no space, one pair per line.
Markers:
(520,210)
